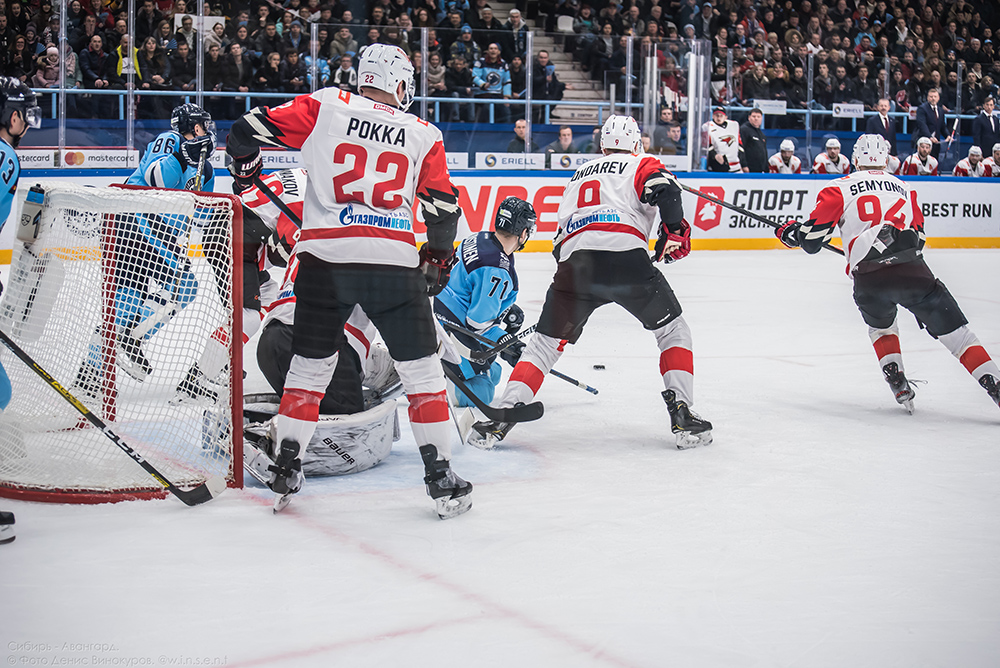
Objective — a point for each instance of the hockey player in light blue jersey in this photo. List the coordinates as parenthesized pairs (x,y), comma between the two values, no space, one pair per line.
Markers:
(481,293)
(18,112)
(172,159)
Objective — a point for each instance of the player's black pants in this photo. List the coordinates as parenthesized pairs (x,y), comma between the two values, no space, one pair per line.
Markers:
(590,279)
(913,286)
(343,394)
(393,298)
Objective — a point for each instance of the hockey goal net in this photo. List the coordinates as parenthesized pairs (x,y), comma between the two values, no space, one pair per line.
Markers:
(121,297)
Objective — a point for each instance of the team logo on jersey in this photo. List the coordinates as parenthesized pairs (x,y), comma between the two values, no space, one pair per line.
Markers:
(606,216)
(728,141)
(709,214)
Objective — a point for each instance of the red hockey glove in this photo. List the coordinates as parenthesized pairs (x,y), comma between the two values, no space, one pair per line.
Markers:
(436,269)
(667,249)
(245,170)
(788,234)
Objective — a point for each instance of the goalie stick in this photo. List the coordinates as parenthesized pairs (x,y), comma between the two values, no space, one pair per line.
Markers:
(520,413)
(482,339)
(206,491)
(748,214)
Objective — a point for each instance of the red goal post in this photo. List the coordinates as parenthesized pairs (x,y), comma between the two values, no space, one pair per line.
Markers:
(164,265)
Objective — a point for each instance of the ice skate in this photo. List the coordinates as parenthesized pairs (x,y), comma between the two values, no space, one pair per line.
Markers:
(87,382)
(451,494)
(690,429)
(6,527)
(992,387)
(257,459)
(901,388)
(194,387)
(286,474)
(485,435)
(131,358)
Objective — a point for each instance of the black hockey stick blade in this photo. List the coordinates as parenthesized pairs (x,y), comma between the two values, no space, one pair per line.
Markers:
(206,491)
(523,413)
(749,214)
(263,187)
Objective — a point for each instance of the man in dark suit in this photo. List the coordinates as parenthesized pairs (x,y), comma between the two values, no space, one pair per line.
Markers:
(881,124)
(986,128)
(930,122)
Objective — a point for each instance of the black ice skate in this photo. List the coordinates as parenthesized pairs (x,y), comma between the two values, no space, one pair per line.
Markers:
(194,387)
(901,388)
(486,434)
(88,381)
(6,527)
(451,494)
(286,474)
(131,358)
(992,387)
(690,429)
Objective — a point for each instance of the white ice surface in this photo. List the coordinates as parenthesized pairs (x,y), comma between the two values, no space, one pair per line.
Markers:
(825,526)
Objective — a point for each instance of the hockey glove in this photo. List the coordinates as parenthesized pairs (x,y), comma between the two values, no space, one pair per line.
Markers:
(511,354)
(672,246)
(194,149)
(513,319)
(436,269)
(245,170)
(279,251)
(788,234)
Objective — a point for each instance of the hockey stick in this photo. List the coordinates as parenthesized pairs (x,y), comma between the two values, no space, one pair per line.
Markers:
(201,168)
(483,355)
(263,187)
(749,214)
(483,339)
(206,491)
(521,413)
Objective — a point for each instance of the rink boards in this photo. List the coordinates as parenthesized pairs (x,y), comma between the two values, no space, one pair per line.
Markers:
(958,212)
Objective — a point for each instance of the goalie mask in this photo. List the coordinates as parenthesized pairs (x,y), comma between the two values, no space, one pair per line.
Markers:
(384,67)
(621,133)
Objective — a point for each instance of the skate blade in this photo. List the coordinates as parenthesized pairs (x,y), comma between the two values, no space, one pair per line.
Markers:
(686,440)
(482,441)
(449,508)
(908,405)
(282,502)
(134,370)
(256,462)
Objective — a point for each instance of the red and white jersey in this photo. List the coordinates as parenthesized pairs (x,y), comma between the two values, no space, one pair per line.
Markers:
(914,166)
(368,163)
(893,165)
(290,187)
(965,168)
(725,139)
(777,165)
(824,165)
(992,169)
(600,208)
(860,204)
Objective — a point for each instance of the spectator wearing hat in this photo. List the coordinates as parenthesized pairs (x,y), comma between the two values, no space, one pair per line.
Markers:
(706,23)
(972,165)
(986,127)
(294,39)
(754,156)
(465,46)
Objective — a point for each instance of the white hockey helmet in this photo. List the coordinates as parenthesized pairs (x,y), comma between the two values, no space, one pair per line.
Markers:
(871,151)
(621,133)
(787,145)
(833,142)
(996,147)
(384,67)
(975,150)
(924,141)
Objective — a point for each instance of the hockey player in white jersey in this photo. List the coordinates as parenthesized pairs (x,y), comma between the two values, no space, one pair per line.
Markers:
(882,229)
(725,148)
(921,163)
(785,161)
(831,161)
(610,209)
(368,163)
(972,165)
(992,163)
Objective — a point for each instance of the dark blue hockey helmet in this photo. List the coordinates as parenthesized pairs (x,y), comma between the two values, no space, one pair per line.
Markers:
(515,216)
(16,96)
(184,117)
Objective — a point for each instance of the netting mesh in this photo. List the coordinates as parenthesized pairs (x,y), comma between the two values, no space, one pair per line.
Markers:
(125,298)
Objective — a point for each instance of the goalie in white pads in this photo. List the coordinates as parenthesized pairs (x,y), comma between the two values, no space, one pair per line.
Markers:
(882,229)
(609,210)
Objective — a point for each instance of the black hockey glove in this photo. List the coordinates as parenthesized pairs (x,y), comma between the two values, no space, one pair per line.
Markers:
(511,354)
(788,234)
(513,319)
(436,269)
(245,170)
(682,237)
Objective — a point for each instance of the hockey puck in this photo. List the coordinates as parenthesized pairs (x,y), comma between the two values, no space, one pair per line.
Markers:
(598,367)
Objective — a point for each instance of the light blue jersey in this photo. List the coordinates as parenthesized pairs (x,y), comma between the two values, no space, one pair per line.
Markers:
(10,171)
(163,166)
(482,286)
